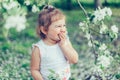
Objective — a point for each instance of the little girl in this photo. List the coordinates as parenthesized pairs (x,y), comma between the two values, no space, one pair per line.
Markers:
(52,55)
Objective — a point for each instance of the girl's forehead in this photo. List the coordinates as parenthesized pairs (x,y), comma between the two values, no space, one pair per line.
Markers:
(60,21)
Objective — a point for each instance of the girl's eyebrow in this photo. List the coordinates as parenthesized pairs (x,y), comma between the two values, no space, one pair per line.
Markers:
(57,25)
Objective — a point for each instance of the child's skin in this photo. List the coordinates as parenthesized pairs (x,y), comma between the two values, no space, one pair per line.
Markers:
(56,33)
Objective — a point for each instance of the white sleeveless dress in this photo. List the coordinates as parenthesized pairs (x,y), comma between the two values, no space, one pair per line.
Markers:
(53,62)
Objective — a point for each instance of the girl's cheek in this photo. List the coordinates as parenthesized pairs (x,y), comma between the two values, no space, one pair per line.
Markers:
(57,31)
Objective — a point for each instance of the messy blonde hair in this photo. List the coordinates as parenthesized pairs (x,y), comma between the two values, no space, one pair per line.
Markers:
(48,15)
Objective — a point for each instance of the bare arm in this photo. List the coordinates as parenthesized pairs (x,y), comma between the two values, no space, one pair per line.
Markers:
(69,52)
(35,64)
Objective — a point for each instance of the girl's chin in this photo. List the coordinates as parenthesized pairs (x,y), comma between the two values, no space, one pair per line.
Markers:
(56,40)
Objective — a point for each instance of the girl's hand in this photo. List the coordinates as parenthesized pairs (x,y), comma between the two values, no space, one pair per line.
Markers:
(69,52)
(63,39)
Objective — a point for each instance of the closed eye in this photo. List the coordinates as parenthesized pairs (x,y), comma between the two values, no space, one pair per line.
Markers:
(57,26)
(60,26)
(64,25)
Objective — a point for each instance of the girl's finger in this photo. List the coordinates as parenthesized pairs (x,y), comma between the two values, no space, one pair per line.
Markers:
(63,35)
(60,36)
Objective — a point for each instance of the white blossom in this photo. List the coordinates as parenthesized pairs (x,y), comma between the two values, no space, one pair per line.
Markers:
(10,5)
(108,11)
(35,8)
(103,28)
(88,36)
(102,47)
(104,61)
(6,75)
(27,2)
(96,69)
(16,21)
(21,27)
(107,53)
(90,44)
(93,78)
(81,24)
(114,29)
(83,28)
(101,13)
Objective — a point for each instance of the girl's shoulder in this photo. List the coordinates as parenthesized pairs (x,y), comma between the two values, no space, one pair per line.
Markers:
(37,44)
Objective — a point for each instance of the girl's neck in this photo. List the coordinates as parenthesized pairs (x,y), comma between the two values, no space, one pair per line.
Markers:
(49,42)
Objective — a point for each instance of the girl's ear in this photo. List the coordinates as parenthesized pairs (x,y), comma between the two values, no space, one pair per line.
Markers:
(43,30)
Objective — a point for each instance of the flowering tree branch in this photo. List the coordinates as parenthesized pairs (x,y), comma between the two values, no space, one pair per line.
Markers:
(82,8)
(96,55)
(100,42)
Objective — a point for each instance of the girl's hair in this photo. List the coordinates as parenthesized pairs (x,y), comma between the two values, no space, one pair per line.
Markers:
(48,15)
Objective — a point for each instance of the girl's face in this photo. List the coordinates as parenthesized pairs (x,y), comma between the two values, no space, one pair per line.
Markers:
(56,28)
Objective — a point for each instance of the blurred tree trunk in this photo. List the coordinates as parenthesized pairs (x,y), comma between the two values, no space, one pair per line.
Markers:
(97,4)
(66,4)
(105,2)
(69,4)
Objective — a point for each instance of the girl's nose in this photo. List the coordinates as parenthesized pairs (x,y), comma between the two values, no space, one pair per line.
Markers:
(63,30)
